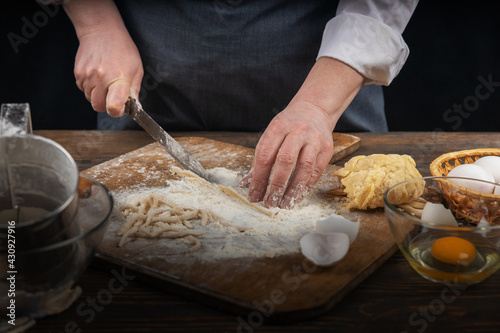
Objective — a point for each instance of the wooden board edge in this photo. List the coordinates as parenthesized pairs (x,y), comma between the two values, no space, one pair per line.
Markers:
(305,314)
(231,305)
(350,143)
(175,286)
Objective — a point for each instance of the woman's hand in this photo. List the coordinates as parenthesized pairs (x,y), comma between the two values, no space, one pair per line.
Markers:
(298,143)
(296,147)
(108,67)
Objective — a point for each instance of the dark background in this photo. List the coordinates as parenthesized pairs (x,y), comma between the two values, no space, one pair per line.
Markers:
(452,44)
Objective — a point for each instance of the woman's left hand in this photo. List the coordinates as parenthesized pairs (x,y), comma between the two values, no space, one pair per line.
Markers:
(298,143)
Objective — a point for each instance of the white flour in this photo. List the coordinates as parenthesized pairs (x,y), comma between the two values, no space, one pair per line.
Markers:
(267,237)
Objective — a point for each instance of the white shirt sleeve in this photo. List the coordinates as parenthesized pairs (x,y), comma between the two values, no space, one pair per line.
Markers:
(366,35)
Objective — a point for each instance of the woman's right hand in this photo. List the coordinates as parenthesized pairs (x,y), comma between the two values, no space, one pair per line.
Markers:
(108,67)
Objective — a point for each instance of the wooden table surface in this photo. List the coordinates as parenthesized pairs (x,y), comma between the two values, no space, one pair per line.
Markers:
(393,299)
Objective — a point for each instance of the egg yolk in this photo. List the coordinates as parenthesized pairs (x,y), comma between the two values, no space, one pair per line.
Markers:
(453,250)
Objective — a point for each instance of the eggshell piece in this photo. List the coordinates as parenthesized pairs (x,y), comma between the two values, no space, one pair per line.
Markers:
(497,190)
(324,249)
(472,171)
(439,214)
(490,164)
(338,223)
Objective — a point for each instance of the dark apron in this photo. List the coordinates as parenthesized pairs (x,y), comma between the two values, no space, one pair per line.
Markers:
(231,65)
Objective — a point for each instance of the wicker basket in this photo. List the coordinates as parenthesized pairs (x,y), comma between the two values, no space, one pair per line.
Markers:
(465,203)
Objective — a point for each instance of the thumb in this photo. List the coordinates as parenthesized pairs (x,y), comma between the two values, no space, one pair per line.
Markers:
(118,93)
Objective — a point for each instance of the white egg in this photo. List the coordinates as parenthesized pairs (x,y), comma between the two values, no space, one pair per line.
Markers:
(324,249)
(472,171)
(490,164)
(439,214)
(338,223)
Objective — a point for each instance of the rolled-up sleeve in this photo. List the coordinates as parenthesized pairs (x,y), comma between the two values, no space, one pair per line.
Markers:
(366,35)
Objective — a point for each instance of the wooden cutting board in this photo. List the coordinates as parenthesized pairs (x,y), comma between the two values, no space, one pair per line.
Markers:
(281,289)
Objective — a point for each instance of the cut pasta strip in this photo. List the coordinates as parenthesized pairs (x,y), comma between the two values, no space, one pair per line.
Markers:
(188,174)
(204,218)
(193,241)
(154,216)
(237,227)
(127,234)
(227,190)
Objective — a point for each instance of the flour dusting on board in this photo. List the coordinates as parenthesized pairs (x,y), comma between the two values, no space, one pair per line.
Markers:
(264,235)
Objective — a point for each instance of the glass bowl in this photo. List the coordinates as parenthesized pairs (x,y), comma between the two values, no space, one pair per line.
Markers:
(447,232)
(35,278)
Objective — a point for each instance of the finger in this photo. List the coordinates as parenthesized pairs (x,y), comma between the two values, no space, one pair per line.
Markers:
(245,181)
(298,190)
(136,83)
(89,80)
(265,155)
(118,92)
(87,88)
(79,77)
(98,98)
(79,84)
(283,167)
(322,161)
(298,186)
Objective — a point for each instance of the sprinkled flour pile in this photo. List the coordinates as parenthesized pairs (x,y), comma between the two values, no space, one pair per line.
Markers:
(266,236)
